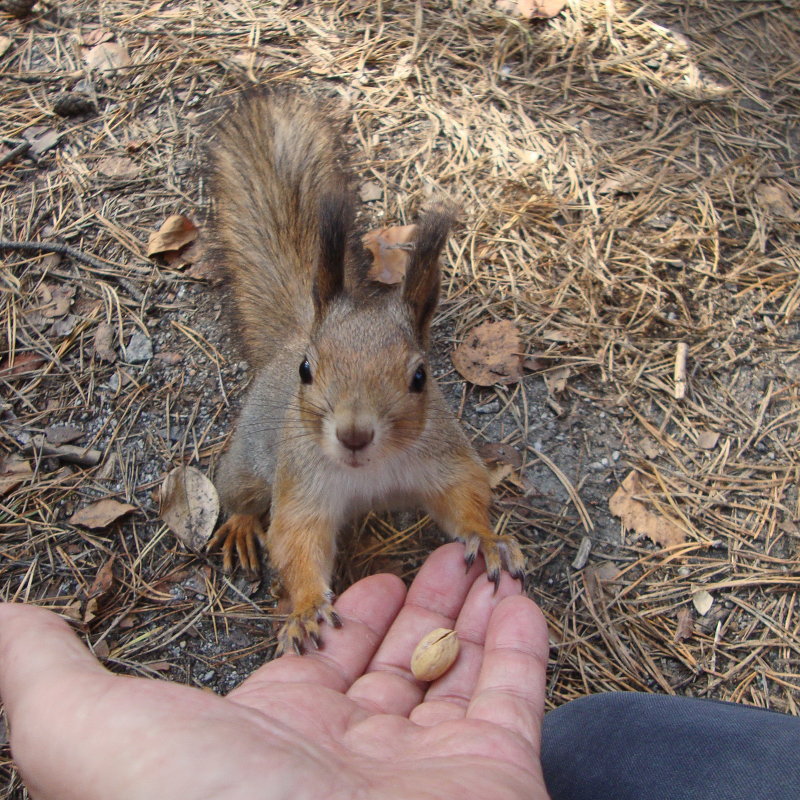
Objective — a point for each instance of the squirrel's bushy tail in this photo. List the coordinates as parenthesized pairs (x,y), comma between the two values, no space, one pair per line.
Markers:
(274,162)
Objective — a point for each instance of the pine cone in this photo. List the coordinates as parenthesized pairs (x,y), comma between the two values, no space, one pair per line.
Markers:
(17,8)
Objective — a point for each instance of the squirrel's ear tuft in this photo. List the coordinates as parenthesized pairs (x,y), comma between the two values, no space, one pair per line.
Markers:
(335,220)
(421,284)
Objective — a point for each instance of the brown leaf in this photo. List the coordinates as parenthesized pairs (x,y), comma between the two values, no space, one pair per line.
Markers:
(107,57)
(532,9)
(191,254)
(775,199)
(56,300)
(707,439)
(636,516)
(169,357)
(556,379)
(189,506)
(23,362)
(176,232)
(103,581)
(390,251)
(100,514)
(103,340)
(13,471)
(685,627)
(499,453)
(118,167)
(97,36)
(490,354)
(370,191)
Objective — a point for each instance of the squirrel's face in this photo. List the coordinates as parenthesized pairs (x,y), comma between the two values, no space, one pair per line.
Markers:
(363,385)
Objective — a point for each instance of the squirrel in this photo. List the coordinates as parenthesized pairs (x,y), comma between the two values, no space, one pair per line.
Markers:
(342,415)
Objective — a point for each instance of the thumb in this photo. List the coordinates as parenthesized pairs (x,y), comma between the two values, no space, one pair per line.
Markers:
(37,649)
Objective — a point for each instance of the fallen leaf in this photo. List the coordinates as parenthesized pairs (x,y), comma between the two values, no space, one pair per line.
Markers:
(178,259)
(685,627)
(189,504)
(97,36)
(556,379)
(499,453)
(370,191)
(118,167)
(62,434)
(103,581)
(103,340)
(390,251)
(702,601)
(101,650)
(13,471)
(636,516)
(169,357)
(107,57)
(63,327)
(5,44)
(176,232)
(100,514)
(23,362)
(775,199)
(56,300)
(490,354)
(606,572)
(532,9)
(534,363)
(41,138)
(707,439)
(498,474)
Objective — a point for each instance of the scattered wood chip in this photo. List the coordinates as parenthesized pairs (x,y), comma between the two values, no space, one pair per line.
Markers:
(103,341)
(370,191)
(100,514)
(390,251)
(55,300)
(176,232)
(41,139)
(13,471)
(702,601)
(96,36)
(582,556)
(685,628)
(5,45)
(707,440)
(490,354)
(107,57)
(189,505)
(636,516)
(681,351)
(775,200)
(61,434)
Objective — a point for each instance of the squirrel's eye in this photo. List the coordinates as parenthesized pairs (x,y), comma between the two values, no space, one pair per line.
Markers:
(418,381)
(305,371)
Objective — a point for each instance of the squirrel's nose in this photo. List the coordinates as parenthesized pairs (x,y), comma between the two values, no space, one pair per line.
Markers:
(355,438)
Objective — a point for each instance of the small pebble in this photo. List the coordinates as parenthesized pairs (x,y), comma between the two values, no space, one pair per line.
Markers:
(615,455)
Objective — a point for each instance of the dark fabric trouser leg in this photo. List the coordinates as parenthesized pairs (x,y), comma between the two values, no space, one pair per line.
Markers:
(630,746)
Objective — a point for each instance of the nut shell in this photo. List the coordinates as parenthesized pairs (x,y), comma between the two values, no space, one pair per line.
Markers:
(434,654)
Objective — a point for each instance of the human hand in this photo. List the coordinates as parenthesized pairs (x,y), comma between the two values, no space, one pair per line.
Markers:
(345,721)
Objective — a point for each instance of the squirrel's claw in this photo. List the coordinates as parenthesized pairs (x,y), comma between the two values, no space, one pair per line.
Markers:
(304,624)
(238,535)
(500,553)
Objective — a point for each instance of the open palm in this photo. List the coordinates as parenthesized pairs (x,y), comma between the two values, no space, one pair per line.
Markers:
(346,721)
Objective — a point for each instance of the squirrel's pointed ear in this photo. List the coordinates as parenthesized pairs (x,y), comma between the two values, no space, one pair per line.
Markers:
(421,284)
(335,219)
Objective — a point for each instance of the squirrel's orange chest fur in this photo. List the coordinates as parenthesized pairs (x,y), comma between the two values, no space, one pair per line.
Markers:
(341,416)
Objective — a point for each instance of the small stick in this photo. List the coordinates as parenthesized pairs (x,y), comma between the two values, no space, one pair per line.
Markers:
(19,150)
(680,370)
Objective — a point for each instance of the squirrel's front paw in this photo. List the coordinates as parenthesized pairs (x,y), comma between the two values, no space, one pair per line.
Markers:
(238,535)
(304,623)
(499,552)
